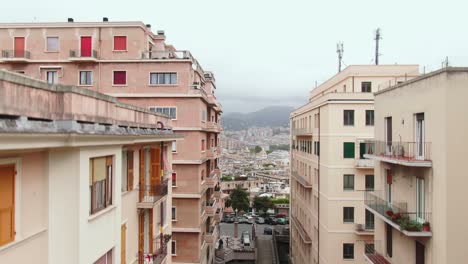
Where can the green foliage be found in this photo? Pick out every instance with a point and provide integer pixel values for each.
(227, 178)
(280, 201)
(258, 149)
(227, 203)
(409, 225)
(268, 164)
(262, 204)
(239, 199)
(279, 147)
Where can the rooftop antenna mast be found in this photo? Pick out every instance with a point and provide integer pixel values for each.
(378, 37)
(339, 50)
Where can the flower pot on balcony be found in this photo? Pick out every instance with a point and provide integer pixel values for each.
(426, 227)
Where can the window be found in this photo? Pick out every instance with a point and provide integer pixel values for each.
(174, 179)
(348, 214)
(348, 251)
(369, 182)
(202, 145)
(170, 111)
(163, 78)
(203, 116)
(100, 183)
(174, 213)
(52, 44)
(202, 175)
(106, 259)
(120, 78)
(86, 78)
(369, 117)
(173, 248)
(127, 171)
(366, 87)
(348, 182)
(388, 231)
(348, 117)
(7, 203)
(348, 150)
(52, 77)
(369, 220)
(317, 148)
(120, 43)
(174, 146)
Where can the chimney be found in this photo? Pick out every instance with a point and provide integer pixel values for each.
(70, 19)
(105, 19)
(161, 32)
(148, 25)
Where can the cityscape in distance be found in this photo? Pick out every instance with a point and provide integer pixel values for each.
(247, 132)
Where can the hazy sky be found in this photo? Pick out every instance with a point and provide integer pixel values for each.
(272, 52)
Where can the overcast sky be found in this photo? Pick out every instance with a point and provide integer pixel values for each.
(272, 52)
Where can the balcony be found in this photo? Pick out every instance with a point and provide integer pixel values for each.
(411, 224)
(83, 55)
(217, 192)
(210, 208)
(301, 132)
(212, 127)
(302, 181)
(212, 180)
(151, 194)
(364, 230)
(218, 215)
(158, 252)
(15, 55)
(210, 153)
(166, 55)
(415, 154)
(212, 235)
(364, 164)
(372, 255)
(305, 237)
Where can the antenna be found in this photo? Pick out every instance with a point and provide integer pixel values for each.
(339, 50)
(377, 39)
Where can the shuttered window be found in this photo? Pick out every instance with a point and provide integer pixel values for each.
(7, 204)
(348, 150)
(52, 44)
(100, 183)
(120, 78)
(120, 43)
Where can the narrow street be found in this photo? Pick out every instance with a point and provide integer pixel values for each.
(265, 249)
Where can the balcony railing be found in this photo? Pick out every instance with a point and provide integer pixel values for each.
(83, 54)
(218, 215)
(212, 180)
(367, 229)
(211, 235)
(303, 181)
(210, 207)
(409, 223)
(400, 152)
(372, 252)
(166, 55)
(157, 255)
(301, 132)
(16, 54)
(150, 194)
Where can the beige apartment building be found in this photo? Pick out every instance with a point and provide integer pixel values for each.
(83, 178)
(128, 61)
(329, 174)
(420, 182)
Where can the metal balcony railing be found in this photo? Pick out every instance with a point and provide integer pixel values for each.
(407, 221)
(407, 151)
(16, 54)
(153, 193)
(83, 54)
(166, 55)
(301, 131)
(373, 252)
(158, 252)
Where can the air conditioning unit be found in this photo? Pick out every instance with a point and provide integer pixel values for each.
(196, 86)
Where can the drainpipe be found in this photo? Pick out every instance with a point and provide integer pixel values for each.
(318, 181)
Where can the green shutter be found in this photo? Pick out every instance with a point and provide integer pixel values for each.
(362, 150)
(348, 150)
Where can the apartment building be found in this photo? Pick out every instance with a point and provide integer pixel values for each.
(418, 151)
(83, 177)
(328, 170)
(128, 61)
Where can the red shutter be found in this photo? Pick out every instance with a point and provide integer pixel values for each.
(389, 177)
(86, 46)
(120, 42)
(120, 77)
(19, 46)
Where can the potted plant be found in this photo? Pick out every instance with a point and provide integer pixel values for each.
(389, 213)
(426, 227)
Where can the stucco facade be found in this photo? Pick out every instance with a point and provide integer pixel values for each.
(127, 60)
(328, 171)
(55, 146)
(419, 173)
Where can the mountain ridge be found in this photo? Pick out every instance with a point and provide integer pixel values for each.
(270, 116)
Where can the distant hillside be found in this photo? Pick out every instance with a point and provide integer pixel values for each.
(267, 117)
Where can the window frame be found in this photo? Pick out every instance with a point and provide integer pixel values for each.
(345, 254)
(47, 46)
(364, 87)
(113, 43)
(346, 121)
(164, 84)
(345, 176)
(174, 146)
(373, 182)
(109, 186)
(79, 77)
(113, 78)
(344, 150)
(172, 179)
(368, 121)
(345, 213)
(156, 107)
(174, 247)
(174, 214)
(47, 76)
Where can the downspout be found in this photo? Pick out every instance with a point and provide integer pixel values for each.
(318, 182)
(99, 60)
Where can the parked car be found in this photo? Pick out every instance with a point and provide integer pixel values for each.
(244, 220)
(268, 231)
(245, 238)
(260, 220)
(271, 221)
(281, 221)
(230, 220)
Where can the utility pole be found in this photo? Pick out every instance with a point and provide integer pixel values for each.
(339, 50)
(377, 39)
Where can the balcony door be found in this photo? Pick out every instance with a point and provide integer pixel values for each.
(420, 197)
(19, 47)
(388, 187)
(388, 135)
(86, 46)
(7, 204)
(419, 136)
(419, 253)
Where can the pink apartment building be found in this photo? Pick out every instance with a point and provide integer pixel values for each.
(128, 61)
(83, 178)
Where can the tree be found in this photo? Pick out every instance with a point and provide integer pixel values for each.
(227, 203)
(239, 199)
(258, 149)
(262, 203)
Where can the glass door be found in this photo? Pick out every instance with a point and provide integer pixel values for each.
(419, 148)
(420, 210)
